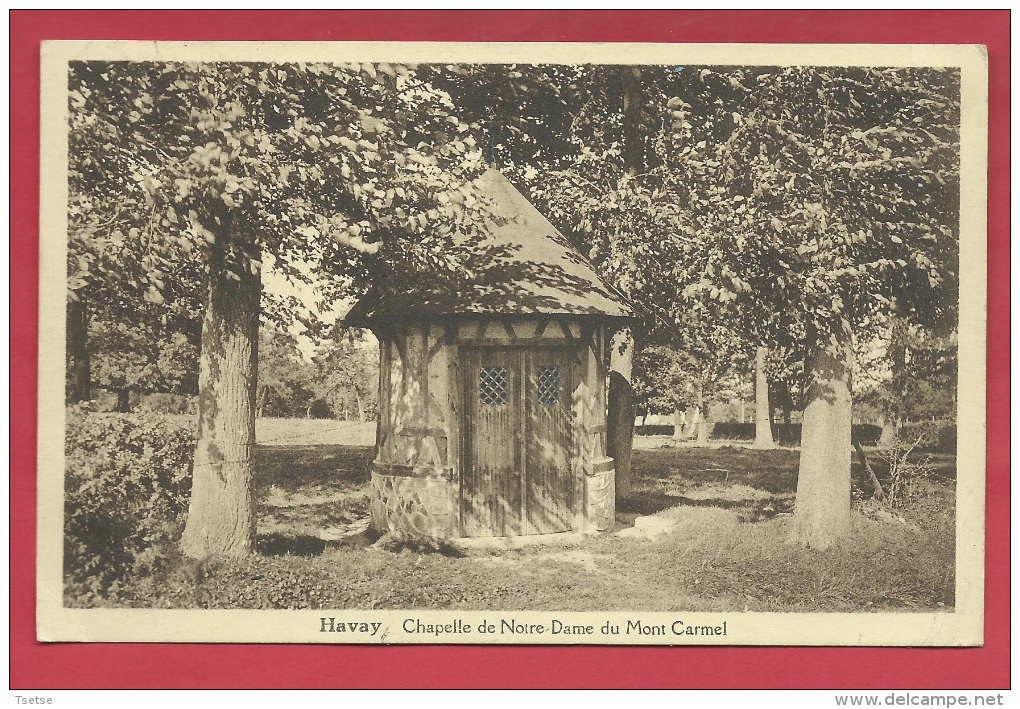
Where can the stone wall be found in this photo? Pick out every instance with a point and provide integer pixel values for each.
(600, 495)
(416, 507)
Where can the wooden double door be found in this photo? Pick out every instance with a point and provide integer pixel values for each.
(516, 475)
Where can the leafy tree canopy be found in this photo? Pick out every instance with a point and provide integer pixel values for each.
(787, 197)
(833, 197)
(358, 169)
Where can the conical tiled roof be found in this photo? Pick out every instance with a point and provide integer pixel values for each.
(518, 265)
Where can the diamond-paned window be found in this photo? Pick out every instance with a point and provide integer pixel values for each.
(549, 379)
(493, 385)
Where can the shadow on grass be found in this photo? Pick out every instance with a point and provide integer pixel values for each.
(773, 471)
(645, 502)
(282, 545)
(294, 468)
(419, 545)
(722, 503)
(670, 477)
(942, 467)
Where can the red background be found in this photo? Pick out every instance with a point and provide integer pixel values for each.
(37, 665)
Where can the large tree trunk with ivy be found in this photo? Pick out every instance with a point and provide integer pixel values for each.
(822, 515)
(79, 368)
(762, 407)
(620, 418)
(221, 515)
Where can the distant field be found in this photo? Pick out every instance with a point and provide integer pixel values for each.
(274, 432)
(313, 432)
(307, 432)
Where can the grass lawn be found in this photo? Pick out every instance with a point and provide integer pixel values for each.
(705, 529)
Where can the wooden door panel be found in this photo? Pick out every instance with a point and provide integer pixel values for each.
(548, 482)
(490, 483)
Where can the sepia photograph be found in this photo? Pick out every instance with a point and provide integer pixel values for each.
(569, 344)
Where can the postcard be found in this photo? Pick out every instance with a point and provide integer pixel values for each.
(512, 343)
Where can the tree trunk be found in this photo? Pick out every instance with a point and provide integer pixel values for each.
(79, 368)
(221, 515)
(123, 401)
(899, 335)
(620, 418)
(678, 424)
(260, 409)
(862, 455)
(704, 427)
(634, 136)
(890, 432)
(704, 430)
(822, 515)
(762, 425)
(692, 421)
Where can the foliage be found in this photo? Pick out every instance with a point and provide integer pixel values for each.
(784, 371)
(140, 357)
(668, 378)
(776, 200)
(909, 373)
(909, 467)
(347, 377)
(352, 168)
(775, 193)
(937, 436)
(168, 404)
(138, 295)
(736, 168)
(125, 495)
(285, 379)
(341, 381)
(834, 192)
(660, 384)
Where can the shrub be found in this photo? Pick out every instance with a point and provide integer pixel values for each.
(867, 433)
(127, 481)
(169, 403)
(909, 469)
(653, 430)
(733, 431)
(936, 436)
